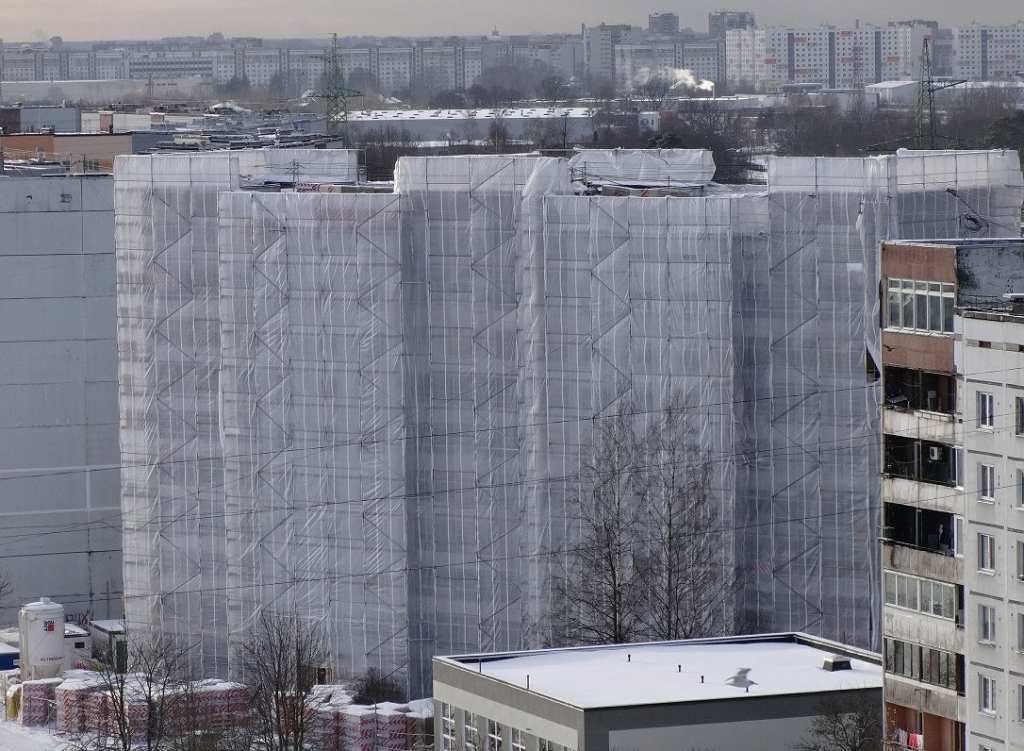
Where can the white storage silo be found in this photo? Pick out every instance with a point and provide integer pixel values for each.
(42, 639)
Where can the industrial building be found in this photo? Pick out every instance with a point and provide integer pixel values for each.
(736, 692)
(371, 407)
(953, 348)
(60, 516)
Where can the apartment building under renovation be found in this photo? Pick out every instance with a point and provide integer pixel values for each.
(370, 408)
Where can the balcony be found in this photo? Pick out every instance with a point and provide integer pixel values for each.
(916, 493)
(909, 560)
(934, 427)
(919, 528)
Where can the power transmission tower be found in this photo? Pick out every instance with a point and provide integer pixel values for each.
(335, 95)
(926, 89)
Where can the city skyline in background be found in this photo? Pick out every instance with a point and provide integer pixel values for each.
(21, 20)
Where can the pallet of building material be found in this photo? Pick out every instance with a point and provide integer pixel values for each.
(359, 728)
(72, 699)
(221, 705)
(38, 699)
(325, 728)
(98, 719)
(391, 729)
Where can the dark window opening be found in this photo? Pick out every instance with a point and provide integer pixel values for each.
(919, 390)
(919, 528)
(925, 461)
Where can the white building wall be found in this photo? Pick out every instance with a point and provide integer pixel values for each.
(990, 355)
(60, 517)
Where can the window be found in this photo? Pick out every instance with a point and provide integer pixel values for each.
(958, 536)
(471, 732)
(518, 744)
(957, 467)
(447, 727)
(920, 306)
(1020, 489)
(923, 595)
(986, 410)
(986, 482)
(986, 694)
(1020, 560)
(493, 736)
(1020, 632)
(986, 552)
(986, 624)
(1018, 415)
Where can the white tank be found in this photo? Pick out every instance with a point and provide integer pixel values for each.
(42, 639)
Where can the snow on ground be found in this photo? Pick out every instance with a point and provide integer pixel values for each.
(14, 737)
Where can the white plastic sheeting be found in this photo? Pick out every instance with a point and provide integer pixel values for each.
(369, 407)
(651, 166)
(173, 501)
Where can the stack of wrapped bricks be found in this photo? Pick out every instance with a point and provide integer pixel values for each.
(37, 701)
(359, 729)
(392, 734)
(221, 704)
(76, 704)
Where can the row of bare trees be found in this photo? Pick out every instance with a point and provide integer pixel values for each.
(648, 563)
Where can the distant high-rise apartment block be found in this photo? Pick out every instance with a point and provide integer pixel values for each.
(722, 21)
(988, 53)
(765, 59)
(663, 23)
(599, 43)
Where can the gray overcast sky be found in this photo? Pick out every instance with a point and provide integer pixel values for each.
(32, 20)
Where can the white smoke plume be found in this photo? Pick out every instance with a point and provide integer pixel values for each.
(681, 77)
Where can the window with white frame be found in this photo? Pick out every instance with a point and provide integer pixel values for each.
(1020, 560)
(986, 624)
(516, 740)
(986, 414)
(471, 732)
(956, 467)
(987, 482)
(919, 306)
(986, 552)
(1020, 632)
(921, 595)
(1018, 415)
(447, 727)
(959, 540)
(986, 694)
(493, 736)
(1020, 488)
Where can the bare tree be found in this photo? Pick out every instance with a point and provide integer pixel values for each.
(602, 591)
(280, 666)
(686, 588)
(649, 560)
(6, 587)
(652, 92)
(551, 88)
(852, 724)
(142, 694)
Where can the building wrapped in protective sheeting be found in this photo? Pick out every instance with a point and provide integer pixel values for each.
(370, 409)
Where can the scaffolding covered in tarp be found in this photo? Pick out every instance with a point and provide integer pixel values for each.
(370, 409)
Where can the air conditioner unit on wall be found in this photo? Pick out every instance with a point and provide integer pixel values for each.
(934, 453)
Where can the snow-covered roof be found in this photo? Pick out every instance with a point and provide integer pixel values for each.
(515, 113)
(682, 671)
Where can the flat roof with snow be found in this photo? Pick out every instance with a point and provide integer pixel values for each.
(681, 671)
